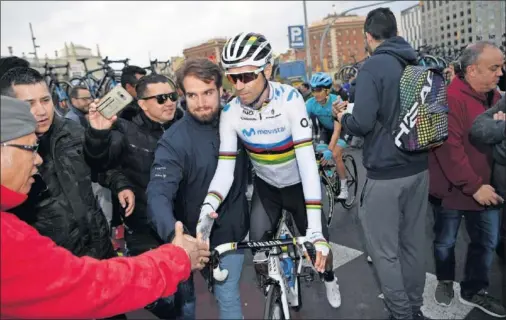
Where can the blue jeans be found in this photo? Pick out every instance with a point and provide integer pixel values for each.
(483, 229)
(227, 292)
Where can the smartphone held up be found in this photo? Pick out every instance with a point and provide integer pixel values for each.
(113, 102)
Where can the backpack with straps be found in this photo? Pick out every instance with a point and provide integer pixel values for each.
(422, 123)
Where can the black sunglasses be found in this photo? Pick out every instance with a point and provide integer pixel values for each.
(317, 89)
(162, 98)
(244, 77)
(32, 148)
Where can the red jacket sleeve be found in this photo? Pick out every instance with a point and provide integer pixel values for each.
(452, 156)
(42, 280)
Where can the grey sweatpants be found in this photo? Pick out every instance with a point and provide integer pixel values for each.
(392, 213)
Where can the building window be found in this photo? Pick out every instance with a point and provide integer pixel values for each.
(469, 20)
(454, 15)
(462, 22)
(470, 30)
(449, 43)
(428, 5)
(447, 18)
(491, 36)
(448, 35)
(470, 39)
(448, 26)
(461, 13)
(442, 28)
(455, 33)
(442, 37)
(468, 11)
(455, 24)
(463, 40)
(456, 42)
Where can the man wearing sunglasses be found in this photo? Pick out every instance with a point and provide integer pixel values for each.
(272, 122)
(320, 106)
(129, 146)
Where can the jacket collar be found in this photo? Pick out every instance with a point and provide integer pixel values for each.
(10, 199)
(465, 88)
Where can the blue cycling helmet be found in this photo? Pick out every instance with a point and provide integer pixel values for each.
(322, 80)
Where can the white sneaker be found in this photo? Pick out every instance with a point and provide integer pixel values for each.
(343, 195)
(369, 259)
(333, 294)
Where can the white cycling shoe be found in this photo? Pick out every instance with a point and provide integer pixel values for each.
(343, 195)
(333, 293)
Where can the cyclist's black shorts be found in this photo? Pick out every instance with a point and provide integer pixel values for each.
(266, 209)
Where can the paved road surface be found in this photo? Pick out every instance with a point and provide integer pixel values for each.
(360, 295)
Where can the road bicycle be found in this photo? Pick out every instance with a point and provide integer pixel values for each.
(153, 65)
(332, 182)
(99, 87)
(286, 267)
(59, 89)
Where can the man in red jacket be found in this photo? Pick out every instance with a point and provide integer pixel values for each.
(41, 280)
(460, 174)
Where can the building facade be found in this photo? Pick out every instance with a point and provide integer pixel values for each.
(344, 43)
(210, 50)
(455, 24)
(69, 54)
(411, 25)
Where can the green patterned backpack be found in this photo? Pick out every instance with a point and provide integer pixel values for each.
(422, 123)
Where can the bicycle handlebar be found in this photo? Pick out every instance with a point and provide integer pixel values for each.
(221, 274)
(107, 61)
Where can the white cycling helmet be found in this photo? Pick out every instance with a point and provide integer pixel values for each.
(246, 49)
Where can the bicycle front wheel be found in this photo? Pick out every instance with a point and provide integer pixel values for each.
(273, 305)
(352, 181)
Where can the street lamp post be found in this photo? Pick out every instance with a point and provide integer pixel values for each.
(342, 14)
(308, 50)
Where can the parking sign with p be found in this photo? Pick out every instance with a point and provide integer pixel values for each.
(296, 37)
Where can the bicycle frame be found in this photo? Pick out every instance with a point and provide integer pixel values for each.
(276, 277)
(289, 295)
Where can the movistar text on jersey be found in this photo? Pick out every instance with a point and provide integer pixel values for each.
(252, 131)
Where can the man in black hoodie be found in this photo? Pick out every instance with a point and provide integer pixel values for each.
(393, 204)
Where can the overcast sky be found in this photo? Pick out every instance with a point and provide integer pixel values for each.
(134, 29)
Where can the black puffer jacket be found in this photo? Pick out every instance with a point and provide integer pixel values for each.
(486, 130)
(61, 204)
(130, 147)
